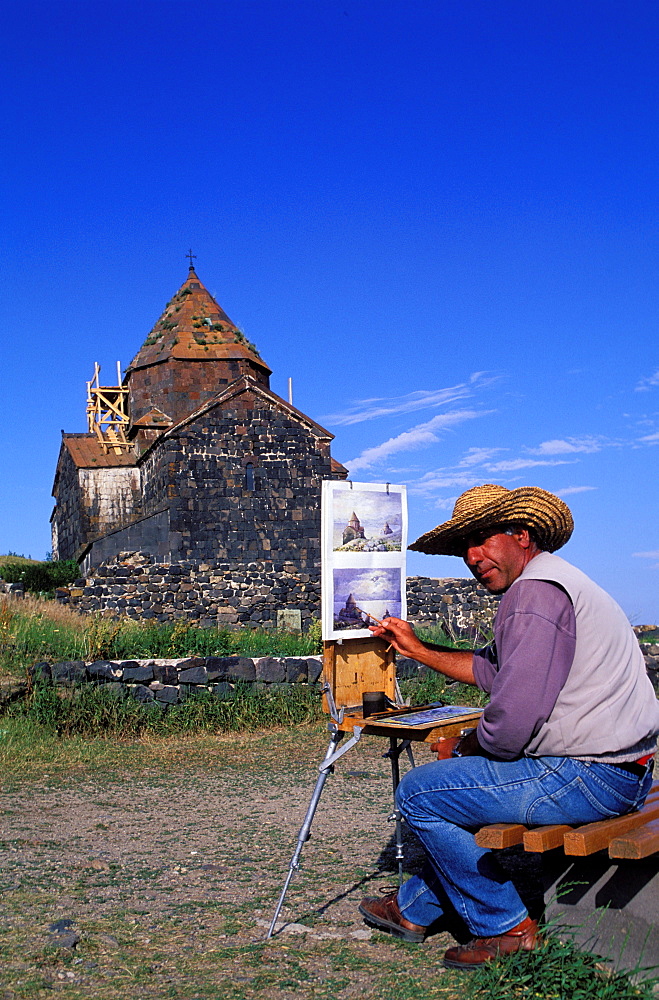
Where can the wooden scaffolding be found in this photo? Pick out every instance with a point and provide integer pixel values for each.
(106, 412)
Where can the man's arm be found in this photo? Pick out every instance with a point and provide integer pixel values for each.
(454, 663)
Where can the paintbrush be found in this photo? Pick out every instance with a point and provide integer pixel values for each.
(374, 619)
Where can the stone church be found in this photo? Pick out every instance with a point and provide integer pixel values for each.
(193, 467)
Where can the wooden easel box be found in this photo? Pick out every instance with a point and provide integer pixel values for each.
(355, 666)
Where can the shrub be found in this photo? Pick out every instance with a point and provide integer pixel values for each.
(40, 577)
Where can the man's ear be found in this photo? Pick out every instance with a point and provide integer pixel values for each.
(523, 537)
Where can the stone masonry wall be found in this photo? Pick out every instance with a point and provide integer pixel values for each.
(223, 593)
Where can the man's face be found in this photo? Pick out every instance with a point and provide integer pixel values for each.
(496, 559)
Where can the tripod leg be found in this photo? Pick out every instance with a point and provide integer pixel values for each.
(303, 835)
(394, 753)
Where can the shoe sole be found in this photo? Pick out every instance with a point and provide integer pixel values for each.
(414, 937)
(463, 966)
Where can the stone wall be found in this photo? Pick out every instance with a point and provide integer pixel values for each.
(171, 681)
(222, 593)
(208, 594)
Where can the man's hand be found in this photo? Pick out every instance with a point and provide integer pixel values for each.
(444, 747)
(401, 636)
(469, 746)
(455, 663)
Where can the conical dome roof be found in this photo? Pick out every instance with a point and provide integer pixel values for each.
(194, 327)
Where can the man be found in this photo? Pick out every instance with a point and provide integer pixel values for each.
(567, 737)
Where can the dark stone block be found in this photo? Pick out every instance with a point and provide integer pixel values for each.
(69, 672)
(138, 674)
(314, 668)
(141, 693)
(191, 661)
(270, 669)
(239, 668)
(165, 674)
(168, 695)
(297, 670)
(193, 675)
(104, 670)
(40, 671)
(215, 668)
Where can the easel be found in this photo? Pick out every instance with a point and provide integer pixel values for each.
(350, 668)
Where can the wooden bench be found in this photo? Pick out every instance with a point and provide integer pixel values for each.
(632, 837)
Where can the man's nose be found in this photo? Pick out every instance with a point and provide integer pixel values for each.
(472, 555)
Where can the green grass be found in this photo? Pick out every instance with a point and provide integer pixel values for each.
(557, 971)
(90, 711)
(36, 629)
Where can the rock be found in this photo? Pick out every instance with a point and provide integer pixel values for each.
(314, 668)
(104, 669)
(165, 673)
(214, 668)
(137, 673)
(168, 694)
(141, 693)
(63, 935)
(61, 925)
(10, 688)
(270, 669)
(239, 668)
(193, 675)
(297, 670)
(69, 672)
(40, 671)
(406, 667)
(223, 690)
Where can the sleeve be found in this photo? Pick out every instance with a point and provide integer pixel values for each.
(485, 667)
(535, 638)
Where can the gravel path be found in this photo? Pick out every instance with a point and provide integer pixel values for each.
(161, 881)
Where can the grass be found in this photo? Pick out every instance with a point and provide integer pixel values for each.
(557, 971)
(34, 628)
(91, 711)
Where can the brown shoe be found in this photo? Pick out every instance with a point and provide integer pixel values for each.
(384, 914)
(478, 951)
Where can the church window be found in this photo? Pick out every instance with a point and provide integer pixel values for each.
(249, 476)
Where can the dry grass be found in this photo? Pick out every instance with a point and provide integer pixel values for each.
(32, 606)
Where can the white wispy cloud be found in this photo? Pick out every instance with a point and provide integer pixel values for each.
(421, 399)
(443, 479)
(417, 437)
(568, 446)
(649, 382)
(648, 555)
(514, 464)
(477, 456)
(651, 438)
(574, 489)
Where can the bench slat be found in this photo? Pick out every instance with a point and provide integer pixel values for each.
(545, 838)
(636, 844)
(594, 837)
(499, 835)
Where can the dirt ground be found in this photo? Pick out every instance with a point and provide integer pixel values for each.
(160, 879)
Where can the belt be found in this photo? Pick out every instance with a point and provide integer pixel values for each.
(638, 767)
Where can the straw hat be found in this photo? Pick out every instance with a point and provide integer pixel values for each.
(488, 506)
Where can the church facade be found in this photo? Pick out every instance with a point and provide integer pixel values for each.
(212, 468)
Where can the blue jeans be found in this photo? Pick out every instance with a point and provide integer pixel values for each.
(446, 801)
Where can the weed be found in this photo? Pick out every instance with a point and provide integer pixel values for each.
(554, 972)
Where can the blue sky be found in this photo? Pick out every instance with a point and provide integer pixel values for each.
(439, 218)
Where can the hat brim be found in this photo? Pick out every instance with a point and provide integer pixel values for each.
(543, 513)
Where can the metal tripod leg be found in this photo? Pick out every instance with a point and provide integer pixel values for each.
(393, 753)
(325, 770)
